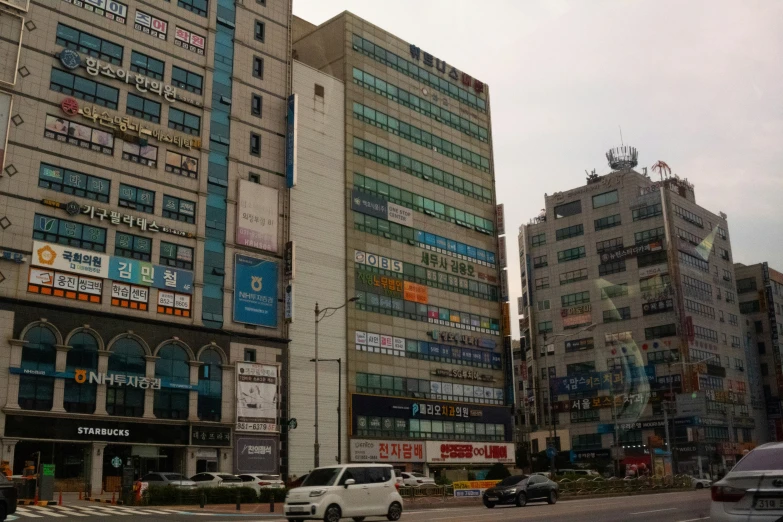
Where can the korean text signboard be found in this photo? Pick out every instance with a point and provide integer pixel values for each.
(110, 9)
(291, 140)
(257, 208)
(378, 207)
(625, 253)
(386, 451)
(257, 397)
(470, 452)
(150, 25)
(255, 291)
(256, 455)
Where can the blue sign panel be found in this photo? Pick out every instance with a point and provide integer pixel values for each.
(290, 141)
(141, 273)
(369, 204)
(255, 291)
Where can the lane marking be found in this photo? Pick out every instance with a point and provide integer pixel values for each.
(653, 511)
(694, 519)
(69, 511)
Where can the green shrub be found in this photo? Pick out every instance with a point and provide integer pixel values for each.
(172, 496)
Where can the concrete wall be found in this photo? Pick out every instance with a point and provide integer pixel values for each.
(318, 230)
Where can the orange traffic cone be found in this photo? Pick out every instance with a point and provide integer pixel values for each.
(112, 498)
(60, 500)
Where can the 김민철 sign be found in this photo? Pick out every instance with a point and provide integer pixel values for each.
(470, 452)
(120, 126)
(255, 291)
(386, 451)
(110, 267)
(256, 397)
(257, 209)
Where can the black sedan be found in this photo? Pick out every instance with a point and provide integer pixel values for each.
(7, 497)
(521, 489)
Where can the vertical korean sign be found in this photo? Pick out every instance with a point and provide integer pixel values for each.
(291, 140)
(255, 291)
(257, 397)
(257, 222)
(6, 102)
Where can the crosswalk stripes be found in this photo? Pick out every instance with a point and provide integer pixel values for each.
(91, 510)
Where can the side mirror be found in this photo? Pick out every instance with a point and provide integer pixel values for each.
(349, 482)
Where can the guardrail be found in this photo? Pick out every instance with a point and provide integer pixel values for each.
(434, 491)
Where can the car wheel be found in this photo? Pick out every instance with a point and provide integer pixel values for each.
(490, 505)
(333, 514)
(395, 511)
(3, 512)
(552, 497)
(699, 485)
(521, 500)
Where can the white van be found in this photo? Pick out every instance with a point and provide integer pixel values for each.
(346, 491)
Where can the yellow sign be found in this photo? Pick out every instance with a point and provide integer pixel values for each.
(475, 484)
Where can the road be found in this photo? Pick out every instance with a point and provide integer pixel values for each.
(688, 506)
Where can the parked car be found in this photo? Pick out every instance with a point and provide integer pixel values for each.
(542, 473)
(398, 478)
(584, 472)
(417, 480)
(216, 480)
(351, 491)
(700, 483)
(168, 479)
(259, 482)
(521, 489)
(753, 489)
(298, 482)
(7, 498)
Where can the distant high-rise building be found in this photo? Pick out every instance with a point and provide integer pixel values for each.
(628, 300)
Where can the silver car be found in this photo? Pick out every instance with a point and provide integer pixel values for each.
(168, 479)
(753, 490)
(216, 480)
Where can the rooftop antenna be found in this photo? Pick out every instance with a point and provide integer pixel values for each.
(621, 135)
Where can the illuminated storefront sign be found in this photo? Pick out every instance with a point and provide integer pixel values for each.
(110, 9)
(415, 292)
(120, 125)
(469, 452)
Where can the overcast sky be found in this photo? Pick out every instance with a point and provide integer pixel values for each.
(697, 84)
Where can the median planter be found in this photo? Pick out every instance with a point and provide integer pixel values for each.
(173, 496)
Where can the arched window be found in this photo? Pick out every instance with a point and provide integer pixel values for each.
(36, 392)
(83, 355)
(210, 386)
(172, 369)
(127, 359)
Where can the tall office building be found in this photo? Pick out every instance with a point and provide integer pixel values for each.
(142, 220)
(629, 299)
(760, 290)
(403, 217)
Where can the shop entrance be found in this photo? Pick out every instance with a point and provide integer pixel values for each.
(206, 460)
(71, 461)
(143, 460)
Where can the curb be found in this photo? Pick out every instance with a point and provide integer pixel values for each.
(104, 501)
(25, 502)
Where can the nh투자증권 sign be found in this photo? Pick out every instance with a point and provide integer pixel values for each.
(255, 291)
(257, 397)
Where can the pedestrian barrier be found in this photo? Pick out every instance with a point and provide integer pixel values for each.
(598, 485)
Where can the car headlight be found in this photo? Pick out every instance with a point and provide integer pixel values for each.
(317, 492)
(511, 491)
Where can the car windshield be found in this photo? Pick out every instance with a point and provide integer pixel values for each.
(512, 480)
(322, 477)
(174, 476)
(418, 475)
(761, 460)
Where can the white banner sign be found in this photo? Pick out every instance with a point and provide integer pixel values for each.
(257, 397)
(257, 209)
(653, 271)
(399, 214)
(470, 452)
(386, 451)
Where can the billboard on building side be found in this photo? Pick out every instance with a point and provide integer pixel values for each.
(257, 211)
(257, 397)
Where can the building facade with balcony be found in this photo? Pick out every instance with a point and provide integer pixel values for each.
(629, 298)
(142, 225)
(422, 346)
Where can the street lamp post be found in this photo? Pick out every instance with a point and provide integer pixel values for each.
(320, 315)
(552, 428)
(339, 362)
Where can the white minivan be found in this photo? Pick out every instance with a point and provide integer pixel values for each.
(346, 491)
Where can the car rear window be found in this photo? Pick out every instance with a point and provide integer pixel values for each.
(175, 477)
(761, 460)
(229, 478)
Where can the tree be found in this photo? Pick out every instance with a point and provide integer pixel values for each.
(498, 472)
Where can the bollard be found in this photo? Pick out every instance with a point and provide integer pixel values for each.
(113, 501)
(202, 500)
(80, 495)
(238, 507)
(272, 503)
(60, 499)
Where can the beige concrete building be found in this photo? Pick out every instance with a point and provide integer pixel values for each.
(628, 299)
(760, 294)
(421, 347)
(137, 276)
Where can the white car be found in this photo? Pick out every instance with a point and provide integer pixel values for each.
(753, 490)
(417, 480)
(216, 480)
(347, 491)
(259, 482)
(168, 479)
(398, 478)
(700, 483)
